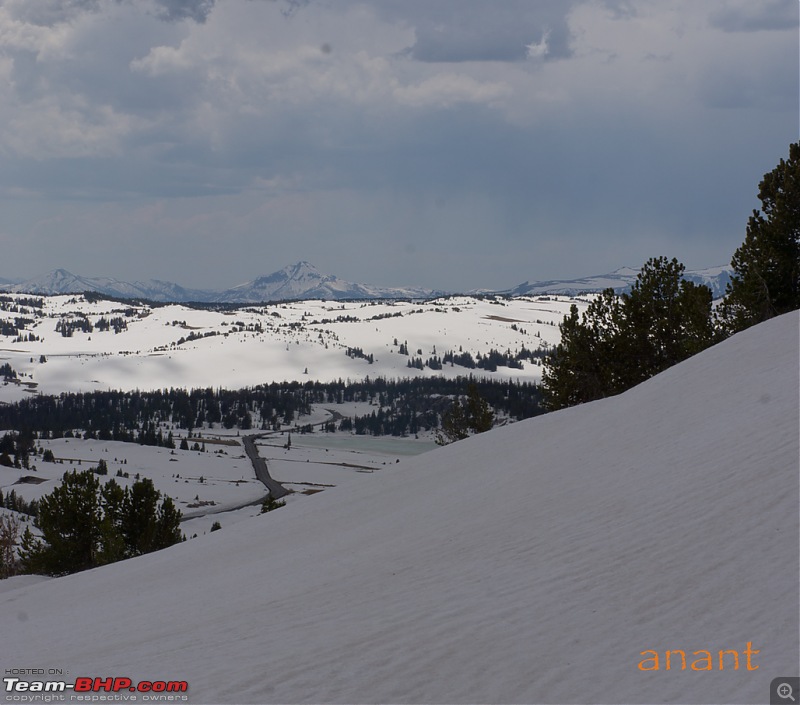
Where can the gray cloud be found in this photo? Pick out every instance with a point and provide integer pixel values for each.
(177, 123)
(176, 10)
(48, 13)
(457, 31)
(292, 6)
(757, 16)
(512, 30)
(465, 43)
(199, 10)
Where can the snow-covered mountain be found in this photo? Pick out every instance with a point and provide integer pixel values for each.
(295, 282)
(716, 278)
(60, 281)
(303, 280)
(546, 561)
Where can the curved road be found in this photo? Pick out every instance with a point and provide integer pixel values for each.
(276, 489)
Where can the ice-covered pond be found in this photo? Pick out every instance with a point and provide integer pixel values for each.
(372, 445)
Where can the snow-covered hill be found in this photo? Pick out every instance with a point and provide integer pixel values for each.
(125, 346)
(538, 563)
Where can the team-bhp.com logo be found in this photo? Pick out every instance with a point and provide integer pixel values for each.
(96, 685)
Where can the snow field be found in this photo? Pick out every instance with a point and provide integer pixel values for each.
(296, 342)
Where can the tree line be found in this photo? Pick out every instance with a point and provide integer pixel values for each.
(404, 406)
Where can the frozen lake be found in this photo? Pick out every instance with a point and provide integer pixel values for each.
(372, 445)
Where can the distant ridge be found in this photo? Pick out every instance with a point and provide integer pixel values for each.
(715, 278)
(60, 281)
(295, 282)
(302, 280)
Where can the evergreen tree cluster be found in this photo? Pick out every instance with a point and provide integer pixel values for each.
(139, 417)
(21, 304)
(620, 341)
(466, 417)
(416, 363)
(391, 421)
(15, 503)
(16, 448)
(410, 413)
(358, 353)
(67, 326)
(489, 362)
(117, 324)
(196, 336)
(85, 524)
(462, 359)
(16, 327)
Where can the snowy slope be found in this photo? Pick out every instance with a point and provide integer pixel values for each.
(531, 564)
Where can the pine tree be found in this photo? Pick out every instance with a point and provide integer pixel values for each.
(766, 279)
(112, 543)
(70, 521)
(666, 318)
(9, 532)
(138, 522)
(588, 363)
(168, 526)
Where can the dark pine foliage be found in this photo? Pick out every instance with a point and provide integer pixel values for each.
(766, 278)
(621, 341)
(85, 524)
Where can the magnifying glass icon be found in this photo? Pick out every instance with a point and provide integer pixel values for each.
(785, 691)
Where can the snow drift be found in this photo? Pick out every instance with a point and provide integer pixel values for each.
(532, 564)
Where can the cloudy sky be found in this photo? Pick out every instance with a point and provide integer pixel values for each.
(443, 143)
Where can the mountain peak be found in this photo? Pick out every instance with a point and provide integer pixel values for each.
(302, 265)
